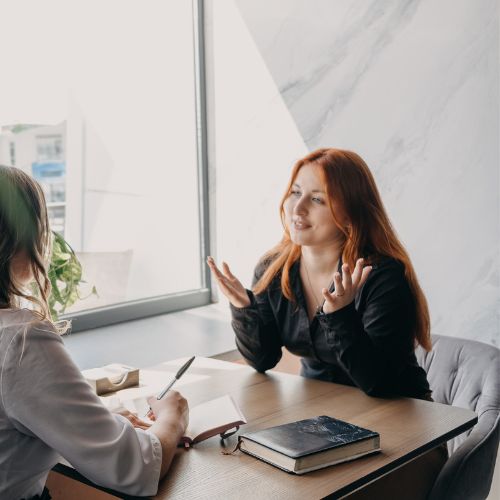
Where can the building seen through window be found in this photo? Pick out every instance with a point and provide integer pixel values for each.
(40, 150)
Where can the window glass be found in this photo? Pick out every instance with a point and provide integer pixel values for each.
(107, 125)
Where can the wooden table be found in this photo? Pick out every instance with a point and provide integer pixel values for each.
(407, 428)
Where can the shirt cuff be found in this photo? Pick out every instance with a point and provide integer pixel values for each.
(243, 310)
(340, 323)
(157, 454)
(157, 458)
(246, 317)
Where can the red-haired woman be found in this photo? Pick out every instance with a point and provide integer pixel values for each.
(339, 290)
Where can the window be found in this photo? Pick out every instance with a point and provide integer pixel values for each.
(109, 129)
(49, 170)
(49, 148)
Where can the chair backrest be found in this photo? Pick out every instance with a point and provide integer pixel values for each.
(466, 373)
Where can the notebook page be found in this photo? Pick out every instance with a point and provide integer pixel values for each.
(212, 414)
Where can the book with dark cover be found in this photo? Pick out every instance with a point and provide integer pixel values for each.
(310, 444)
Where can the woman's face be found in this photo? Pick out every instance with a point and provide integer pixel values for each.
(307, 213)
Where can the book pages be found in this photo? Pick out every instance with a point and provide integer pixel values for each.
(214, 414)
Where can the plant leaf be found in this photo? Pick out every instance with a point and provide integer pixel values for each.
(65, 275)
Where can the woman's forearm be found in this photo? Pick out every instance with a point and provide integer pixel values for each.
(169, 435)
(257, 340)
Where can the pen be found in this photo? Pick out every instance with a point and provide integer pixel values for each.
(178, 375)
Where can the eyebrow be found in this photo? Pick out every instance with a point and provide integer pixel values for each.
(313, 191)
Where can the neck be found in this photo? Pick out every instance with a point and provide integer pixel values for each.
(321, 260)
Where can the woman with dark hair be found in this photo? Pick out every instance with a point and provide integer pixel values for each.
(339, 290)
(47, 409)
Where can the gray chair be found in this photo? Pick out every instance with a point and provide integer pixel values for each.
(466, 373)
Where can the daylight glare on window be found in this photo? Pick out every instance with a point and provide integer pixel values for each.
(99, 106)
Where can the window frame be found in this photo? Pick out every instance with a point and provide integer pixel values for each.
(151, 306)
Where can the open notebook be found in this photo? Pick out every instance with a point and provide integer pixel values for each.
(220, 416)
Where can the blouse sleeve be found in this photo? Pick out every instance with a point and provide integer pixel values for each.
(373, 346)
(257, 334)
(45, 395)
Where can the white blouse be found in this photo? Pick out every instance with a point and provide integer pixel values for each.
(47, 410)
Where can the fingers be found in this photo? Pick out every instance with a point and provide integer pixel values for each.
(229, 284)
(346, 286)
(134, 419)
(330, 303)
(329, 297)
(223, 279)
(139, 423)
(228, 272)
(150, 414)
(358, 270)
(213, 267)
(224, 274)
(172, 407)
(339, 287)
(226, 287)
(346, 277)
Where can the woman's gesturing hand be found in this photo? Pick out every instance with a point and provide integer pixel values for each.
(346, 287)
(229, 284)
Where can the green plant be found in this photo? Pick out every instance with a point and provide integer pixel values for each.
(65, 274)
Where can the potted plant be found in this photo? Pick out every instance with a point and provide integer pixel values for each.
(65, 274)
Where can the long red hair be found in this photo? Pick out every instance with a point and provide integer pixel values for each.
(350, 183)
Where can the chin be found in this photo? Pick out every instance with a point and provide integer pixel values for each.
(298, 239)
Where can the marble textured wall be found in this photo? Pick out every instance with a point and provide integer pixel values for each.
(412, 86)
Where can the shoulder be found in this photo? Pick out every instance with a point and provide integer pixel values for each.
(30, 350)
(387, 274)
(261, 267)
(21, 328)
(30, 319)
(387, 266)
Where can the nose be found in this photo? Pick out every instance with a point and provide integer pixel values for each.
(300, 206)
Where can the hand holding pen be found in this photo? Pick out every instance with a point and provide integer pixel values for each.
(177, 376)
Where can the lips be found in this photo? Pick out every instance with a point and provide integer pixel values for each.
(300, 225)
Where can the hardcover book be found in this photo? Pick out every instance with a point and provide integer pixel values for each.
(310, 444)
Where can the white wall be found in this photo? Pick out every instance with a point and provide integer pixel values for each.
(411, 86)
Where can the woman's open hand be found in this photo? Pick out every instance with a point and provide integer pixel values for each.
(229, 284)
(346, 287)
